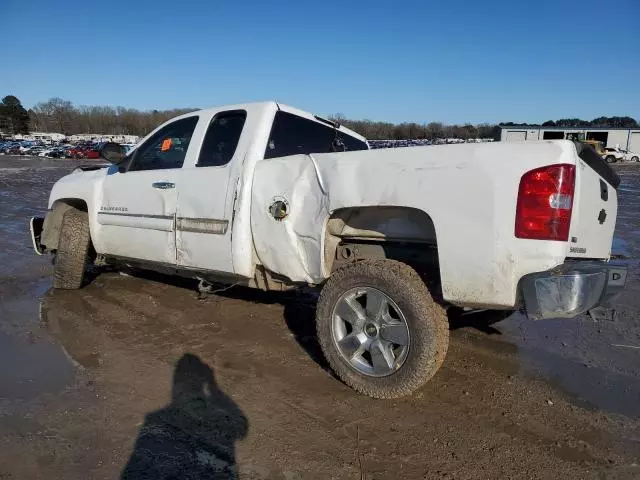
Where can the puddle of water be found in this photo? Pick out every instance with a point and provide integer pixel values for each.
(32, 363)
(32, 367)
(579, 357)
(61, 322)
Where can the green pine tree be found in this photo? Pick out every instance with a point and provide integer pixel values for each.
(13, 117)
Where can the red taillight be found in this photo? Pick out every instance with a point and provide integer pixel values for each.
(545, 200)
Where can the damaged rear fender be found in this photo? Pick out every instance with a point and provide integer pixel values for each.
(301, 244)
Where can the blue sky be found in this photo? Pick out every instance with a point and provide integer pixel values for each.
(451, 61)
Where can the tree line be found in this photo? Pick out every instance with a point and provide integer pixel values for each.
(61, 116)
(430, 131)
(600, 122)
(58, 115)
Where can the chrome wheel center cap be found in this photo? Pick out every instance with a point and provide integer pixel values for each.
(371, 330)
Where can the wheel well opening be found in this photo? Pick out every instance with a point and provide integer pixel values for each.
(53, 220)
(382, 223)
(396, 233)
(76, 203)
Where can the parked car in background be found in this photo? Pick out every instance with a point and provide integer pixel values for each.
(58, 152)
(90, 152)
(34, 150)
(630, 156)
(74, 152)
(612, 155)
(46, 152)
(12, 149)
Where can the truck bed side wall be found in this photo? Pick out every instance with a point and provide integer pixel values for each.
(468, 191)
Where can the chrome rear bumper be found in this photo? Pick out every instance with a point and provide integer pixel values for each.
(571, 289)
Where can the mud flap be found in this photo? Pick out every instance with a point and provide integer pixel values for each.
(35, 227)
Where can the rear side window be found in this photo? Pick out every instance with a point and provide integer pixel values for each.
(166, 148)
(221, 139)
(291, 135)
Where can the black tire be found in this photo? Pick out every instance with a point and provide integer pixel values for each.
(610, 159)
(73, 249)
(426, 320)
(635, 159)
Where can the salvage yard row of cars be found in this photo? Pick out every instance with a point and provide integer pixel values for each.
(89, 150)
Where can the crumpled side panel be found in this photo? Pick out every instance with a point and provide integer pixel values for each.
(292, 246)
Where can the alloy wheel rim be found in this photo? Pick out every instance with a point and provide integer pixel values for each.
(370, 331)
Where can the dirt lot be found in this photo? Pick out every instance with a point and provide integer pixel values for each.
(139, 377)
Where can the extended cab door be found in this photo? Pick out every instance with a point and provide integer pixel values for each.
(137, 209)
(207, 193)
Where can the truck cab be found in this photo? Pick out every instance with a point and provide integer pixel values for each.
(172, 199)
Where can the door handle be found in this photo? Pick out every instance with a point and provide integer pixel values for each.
(163, 185)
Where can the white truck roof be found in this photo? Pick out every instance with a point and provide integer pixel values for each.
(272, 104)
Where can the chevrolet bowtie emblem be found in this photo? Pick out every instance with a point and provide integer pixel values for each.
(602, 217)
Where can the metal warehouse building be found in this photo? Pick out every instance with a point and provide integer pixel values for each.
(625, 138)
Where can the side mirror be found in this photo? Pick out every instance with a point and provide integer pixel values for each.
(112, 152)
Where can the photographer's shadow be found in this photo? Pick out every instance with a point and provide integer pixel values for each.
(194, 436)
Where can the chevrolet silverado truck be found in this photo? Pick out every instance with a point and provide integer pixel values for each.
(267, 196)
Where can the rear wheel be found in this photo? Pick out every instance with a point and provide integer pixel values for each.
(379, 328)
(635, 159)
(73, 249)
(610, 159)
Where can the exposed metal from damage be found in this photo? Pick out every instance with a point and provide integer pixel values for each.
(202, 225)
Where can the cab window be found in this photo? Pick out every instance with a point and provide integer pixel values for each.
(167, 148)
(291, 135)
(222, 138)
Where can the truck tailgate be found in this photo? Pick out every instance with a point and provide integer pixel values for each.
(595, 206)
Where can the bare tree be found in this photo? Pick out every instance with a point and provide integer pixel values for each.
(58, 115)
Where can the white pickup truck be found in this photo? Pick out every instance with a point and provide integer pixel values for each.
(267, 196)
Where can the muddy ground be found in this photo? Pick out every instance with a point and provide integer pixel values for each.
(95, 383)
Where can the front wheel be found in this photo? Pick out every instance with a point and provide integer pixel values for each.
(72, 252)
(610, 159)
(379, 328)
(635, 159)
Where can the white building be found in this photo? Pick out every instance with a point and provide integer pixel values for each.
(625, 138)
